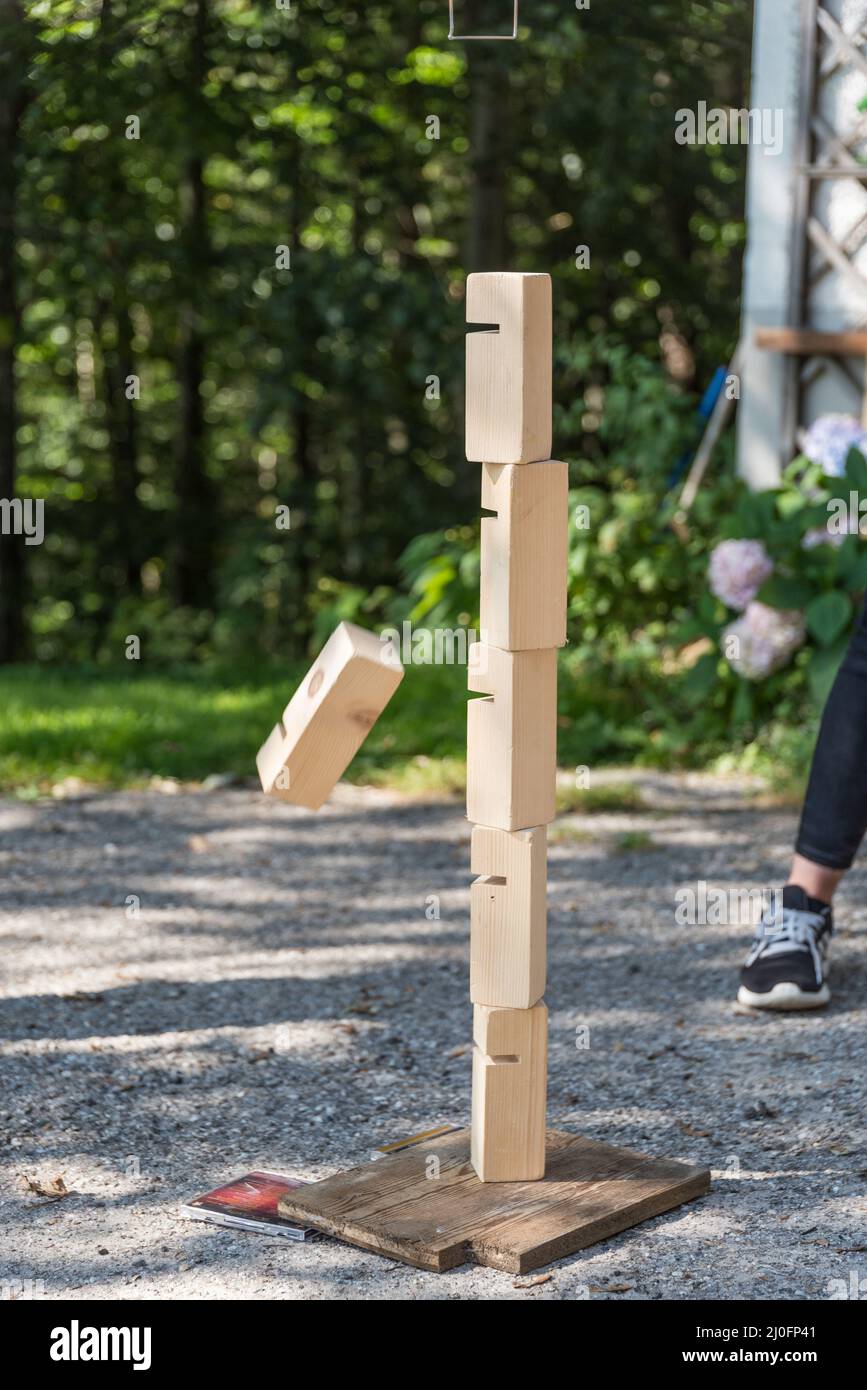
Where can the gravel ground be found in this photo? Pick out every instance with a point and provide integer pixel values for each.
(287, 998)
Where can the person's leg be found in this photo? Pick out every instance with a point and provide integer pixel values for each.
(816, 881)
(785, 968)
(834, 816)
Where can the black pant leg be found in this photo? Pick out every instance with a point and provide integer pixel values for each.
(834, 816)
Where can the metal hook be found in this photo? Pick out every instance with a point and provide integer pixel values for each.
(462, 38)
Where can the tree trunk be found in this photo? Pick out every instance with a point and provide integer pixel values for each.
(129, 538)
(14, 44)
(306, 469)
(115, 337)
(194, 493)
(487, 239)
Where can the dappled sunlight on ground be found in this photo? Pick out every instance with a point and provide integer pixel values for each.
(291, 991)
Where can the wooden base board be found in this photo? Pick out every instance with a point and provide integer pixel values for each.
(437, 1215)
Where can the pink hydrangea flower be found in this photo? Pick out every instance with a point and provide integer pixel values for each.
(762, 640)
(738, 569)
(820, 535)
(829, 439)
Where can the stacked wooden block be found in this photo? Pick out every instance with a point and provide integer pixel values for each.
(512, 734)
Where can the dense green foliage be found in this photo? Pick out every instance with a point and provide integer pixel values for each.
(156, 258)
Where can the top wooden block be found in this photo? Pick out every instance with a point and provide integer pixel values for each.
(329, 717)
(508, 403)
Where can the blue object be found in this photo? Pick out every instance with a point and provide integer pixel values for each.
(712, 394)
(704, 412)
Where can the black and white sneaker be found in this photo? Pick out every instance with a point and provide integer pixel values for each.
(785, 968)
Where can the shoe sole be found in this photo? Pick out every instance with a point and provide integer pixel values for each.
(785, 996)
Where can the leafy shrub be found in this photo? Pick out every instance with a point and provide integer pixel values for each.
(645, 674)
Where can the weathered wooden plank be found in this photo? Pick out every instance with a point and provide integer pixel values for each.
(426, 1207)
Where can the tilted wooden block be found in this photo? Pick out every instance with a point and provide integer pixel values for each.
(511, 737)
(510, 1062)
(508, 916)
(508, 385)
(524, 555)
(329, 717)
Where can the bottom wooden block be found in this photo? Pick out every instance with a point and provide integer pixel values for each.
(425, 1205)
(510, 1070)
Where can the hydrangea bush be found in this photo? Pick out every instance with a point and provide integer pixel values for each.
(763, 640)
(684, 645)
(738, 569)
(786, 576)
(829, 439)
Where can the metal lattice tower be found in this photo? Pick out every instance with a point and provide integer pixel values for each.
(806, 264)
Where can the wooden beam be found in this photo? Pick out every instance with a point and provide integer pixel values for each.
(803, 342)
(524, 555)
(510, 1064)
(511, 737)
(508, 380)
(508, 916)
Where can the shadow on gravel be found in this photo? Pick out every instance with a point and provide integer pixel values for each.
(299, 1007)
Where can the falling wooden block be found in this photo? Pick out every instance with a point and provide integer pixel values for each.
(508, 382)
(329, 717)
(508, 916)
(524, 555)
(511, 737)
(510, 1063)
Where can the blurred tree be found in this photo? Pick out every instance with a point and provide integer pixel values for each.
(17, 42)
(180, 385)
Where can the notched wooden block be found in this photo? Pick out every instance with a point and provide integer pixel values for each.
(511, 737)
(508, 388)
(510, 1063)
(524, 555)
(508, 907)
(329, 717)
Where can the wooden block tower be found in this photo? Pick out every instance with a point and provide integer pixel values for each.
(421, 1203)
(512, 733)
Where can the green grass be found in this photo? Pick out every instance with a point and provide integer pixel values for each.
(122, 727)
(635, 840)
(606, 796)
(781, 755)
(559, 834)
